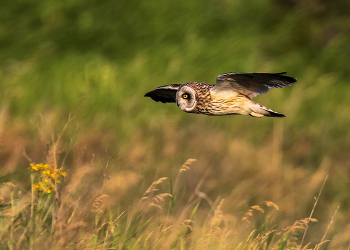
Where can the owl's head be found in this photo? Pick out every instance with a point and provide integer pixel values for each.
(186, 98)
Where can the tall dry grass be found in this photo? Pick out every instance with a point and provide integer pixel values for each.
(92, 209)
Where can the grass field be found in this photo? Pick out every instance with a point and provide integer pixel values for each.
(73, 76)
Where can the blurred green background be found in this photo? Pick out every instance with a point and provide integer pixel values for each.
(94, 60)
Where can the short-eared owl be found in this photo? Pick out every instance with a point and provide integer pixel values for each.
(232, 94)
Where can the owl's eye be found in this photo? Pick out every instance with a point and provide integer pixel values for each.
(185, 96)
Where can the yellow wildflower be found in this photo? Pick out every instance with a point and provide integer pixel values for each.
(38, 186)
(34, 168)
(48, 175)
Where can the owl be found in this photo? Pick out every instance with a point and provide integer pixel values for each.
(231, 95)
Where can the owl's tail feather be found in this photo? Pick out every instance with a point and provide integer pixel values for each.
(259, 111)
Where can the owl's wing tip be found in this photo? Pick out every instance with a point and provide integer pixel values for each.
(162, 95)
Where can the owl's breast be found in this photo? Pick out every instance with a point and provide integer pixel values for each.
(203, 103)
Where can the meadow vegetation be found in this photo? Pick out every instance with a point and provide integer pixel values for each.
(122, 173)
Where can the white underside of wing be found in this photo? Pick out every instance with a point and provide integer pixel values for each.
(224, 93)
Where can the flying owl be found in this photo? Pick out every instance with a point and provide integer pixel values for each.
(231, 95)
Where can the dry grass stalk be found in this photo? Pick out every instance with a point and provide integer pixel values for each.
(204, 196)
(261, 239)
(149, 236)
(328, 227)
(150, 201)
(185, 166)
(297, 225)
(176, 227)
(98, 204)
(153, 188)
(217, 233)
(270, 204)
(159, 198)
(312, 211)
(258, 207)
(218, 213)
(251, 235)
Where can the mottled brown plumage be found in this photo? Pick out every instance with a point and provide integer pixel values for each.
(203, 97)
(232, 94)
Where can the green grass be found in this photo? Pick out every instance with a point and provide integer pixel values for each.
(93, 62)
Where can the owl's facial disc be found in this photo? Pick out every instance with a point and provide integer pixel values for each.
(186, 98)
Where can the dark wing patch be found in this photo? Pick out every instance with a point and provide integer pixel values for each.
(251, 84)
(164, 94)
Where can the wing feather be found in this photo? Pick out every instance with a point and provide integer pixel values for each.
(251, 84)
(164, 94)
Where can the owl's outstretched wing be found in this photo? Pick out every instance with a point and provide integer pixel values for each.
(251, 84)
(164, 94)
